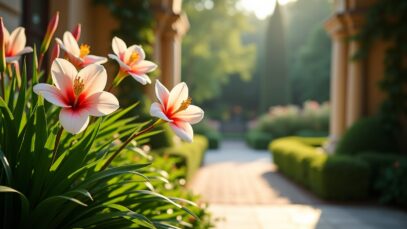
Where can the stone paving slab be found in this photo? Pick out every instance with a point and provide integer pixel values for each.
(244, 190)
(306, 217)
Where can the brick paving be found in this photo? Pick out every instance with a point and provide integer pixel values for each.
(244, 190)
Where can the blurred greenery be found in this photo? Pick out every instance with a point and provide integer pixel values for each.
(386, 21)
(273, 78)
(213, 52)
(308, 50)
(226, 75)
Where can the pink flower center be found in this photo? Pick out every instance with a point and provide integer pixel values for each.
(184, 105)
(75, 97)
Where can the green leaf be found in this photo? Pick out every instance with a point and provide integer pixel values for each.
(6, 167)
(25, 205)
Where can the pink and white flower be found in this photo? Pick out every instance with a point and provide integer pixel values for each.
(80, 94)
(175, 108)
(132, 61)
(78, 55)
(14, 44)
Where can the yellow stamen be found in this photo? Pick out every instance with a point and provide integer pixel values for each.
(84, 50)
(135, 57)
(78, 86)
(184, 105)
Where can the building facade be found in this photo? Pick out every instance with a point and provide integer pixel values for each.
(355, 91)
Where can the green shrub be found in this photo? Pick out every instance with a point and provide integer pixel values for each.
(331, 177)
(367, 134)
(214, 139)
(191, 154)
(213, 136)
(258, 140)
(392, 184)
(378, 162)
(339, 177)
(163, 139)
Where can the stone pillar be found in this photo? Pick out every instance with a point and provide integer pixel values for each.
(337, 30)
(354, 101)
(170, 71)
(171, 49)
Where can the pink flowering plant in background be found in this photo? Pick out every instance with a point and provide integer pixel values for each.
(61, 133)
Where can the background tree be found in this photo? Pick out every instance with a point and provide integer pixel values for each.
(308, 49)
(274, 81)
(213, 49)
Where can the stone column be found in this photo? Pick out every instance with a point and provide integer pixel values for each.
(355, 92)
(170, 57)
(170, 71)
(337, 30)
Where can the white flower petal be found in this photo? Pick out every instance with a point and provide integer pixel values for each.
(63, 73)
(143, 78)
(6, 35)
(121, 63)
(144, 66)
(16, 41)
(12, 59)
(156, 111)
(74, 121)
(134, 48)
(177, 95)
(161, 92)
(94, 78)
(92, 59)
(193, 114)
(183, 130)
(61, 44)
(51, 94)
(70, 43)
(101, 103)
(24, 51)
(118, 46)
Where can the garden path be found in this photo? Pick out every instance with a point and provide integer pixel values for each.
(245, 191)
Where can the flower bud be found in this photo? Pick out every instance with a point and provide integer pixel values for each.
(76, 32)
(55, 52)
(2, 47)
(52, 26)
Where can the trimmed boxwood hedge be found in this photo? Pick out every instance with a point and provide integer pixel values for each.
(329, 176)
(191, 154)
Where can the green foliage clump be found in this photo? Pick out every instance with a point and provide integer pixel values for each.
(212, 135)
(258, 140)
(392, 184)
(385, 21)
(163, 139)
(378, 163)
(191, 154)
(213, 49)
(367, 134)
(331, 177)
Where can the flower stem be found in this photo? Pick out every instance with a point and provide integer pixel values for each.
(2, 85)
(54, 153)
(40, 62)
(107, 163)
(117, 79)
